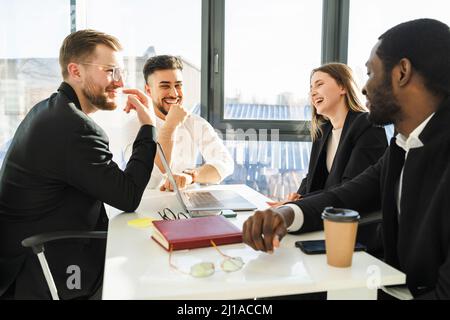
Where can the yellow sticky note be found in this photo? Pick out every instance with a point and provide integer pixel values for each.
(141, 223)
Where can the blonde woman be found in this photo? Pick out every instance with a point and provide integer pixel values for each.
(345, 143)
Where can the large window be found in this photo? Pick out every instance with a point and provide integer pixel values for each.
(147, 28)
(268, 51)
(247, 64)
(270, 48)
(263, 53)
(31, 33)
(153, 27)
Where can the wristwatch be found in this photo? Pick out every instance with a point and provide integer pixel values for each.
(193, 173)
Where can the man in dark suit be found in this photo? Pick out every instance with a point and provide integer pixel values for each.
(409, 86)
(58, 172)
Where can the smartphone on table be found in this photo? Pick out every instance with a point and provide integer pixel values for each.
(318, 246)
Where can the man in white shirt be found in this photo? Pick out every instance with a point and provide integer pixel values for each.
(182, 135)
(409, 86)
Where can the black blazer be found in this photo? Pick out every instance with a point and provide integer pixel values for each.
(56, 176)
(361, 145)
(418, 241)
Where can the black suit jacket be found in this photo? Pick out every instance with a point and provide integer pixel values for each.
(418, 241)
(361, 145)
(56, 176)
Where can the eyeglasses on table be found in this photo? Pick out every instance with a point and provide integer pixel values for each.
(168, 214)
(206, 269)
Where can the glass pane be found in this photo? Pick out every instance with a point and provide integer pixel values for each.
(384, 14)
(153, 27)
(270, 49)
(147, 28)
(273, 168)
(31, 33)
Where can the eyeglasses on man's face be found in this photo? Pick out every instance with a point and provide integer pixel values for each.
(206, 269)
(117, 73)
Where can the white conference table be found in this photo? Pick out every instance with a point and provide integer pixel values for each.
(136, 267)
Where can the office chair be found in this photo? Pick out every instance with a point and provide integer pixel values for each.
(370, 233)
(371, 218)
(36, 243)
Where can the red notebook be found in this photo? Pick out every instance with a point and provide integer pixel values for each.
(195, 232)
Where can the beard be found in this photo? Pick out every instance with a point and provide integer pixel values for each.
(161, 109)
(160, 106)
(384, 107)
(98, 97)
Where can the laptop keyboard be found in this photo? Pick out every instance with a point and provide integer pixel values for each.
(202, 199)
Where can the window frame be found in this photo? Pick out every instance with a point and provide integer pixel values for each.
(335, 22)
(335, 16)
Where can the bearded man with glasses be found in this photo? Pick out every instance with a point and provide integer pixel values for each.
(58, 171)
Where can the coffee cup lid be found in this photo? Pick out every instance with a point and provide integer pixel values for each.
(340, 215)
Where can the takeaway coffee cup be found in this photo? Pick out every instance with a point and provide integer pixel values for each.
(340, 227)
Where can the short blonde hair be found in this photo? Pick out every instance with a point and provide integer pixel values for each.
(81, 44)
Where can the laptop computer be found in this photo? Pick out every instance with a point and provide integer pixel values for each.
(197, 203)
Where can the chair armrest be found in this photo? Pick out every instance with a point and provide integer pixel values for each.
(37, 242)
(370, 218)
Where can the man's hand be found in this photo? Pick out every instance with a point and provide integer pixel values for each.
(182, 180)
(291, 197)
(138, 101)
(176, 116)
(264, 230)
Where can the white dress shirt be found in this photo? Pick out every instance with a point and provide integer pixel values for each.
(333, 143)
(195, 136)
(412, 142)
